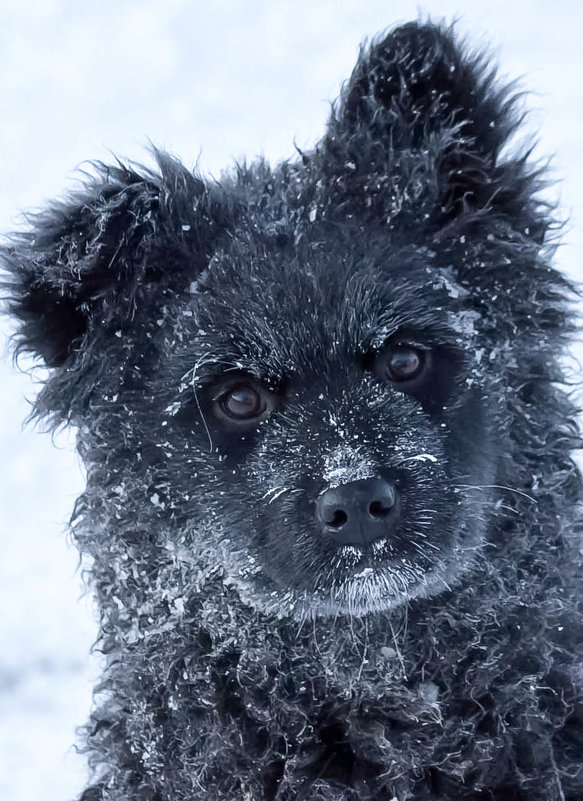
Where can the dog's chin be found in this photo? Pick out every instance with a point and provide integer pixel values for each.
(371, 590)
(378, 587)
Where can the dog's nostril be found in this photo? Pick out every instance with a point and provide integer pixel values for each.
(379, 509)
(339, 518)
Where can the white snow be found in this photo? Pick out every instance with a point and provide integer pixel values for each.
(365, 573)
(422, 457)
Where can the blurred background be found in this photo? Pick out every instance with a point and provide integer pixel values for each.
(209, 80)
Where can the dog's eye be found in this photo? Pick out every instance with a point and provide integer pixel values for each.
(404, 362)
(243, 402)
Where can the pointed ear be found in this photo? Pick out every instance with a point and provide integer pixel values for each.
(93, 259)
(424, 120)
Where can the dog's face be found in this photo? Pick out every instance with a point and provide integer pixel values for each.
(345, 438)
(307, 374)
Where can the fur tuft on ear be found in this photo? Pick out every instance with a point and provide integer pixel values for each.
(418, 79)
(129, 232)
(98, 266)
(420, 108)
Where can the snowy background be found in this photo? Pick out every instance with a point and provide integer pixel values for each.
(207, 80)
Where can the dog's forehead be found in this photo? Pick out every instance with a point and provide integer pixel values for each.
(273, 312)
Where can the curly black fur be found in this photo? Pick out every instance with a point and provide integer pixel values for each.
(225, 352)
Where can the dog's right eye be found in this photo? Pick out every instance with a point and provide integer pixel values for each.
(404, 362)
(245, 402)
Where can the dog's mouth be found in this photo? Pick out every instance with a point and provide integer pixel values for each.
(354, 582)
(378, 576)
(354, 562)
(357, 557)
(307, 571)
(370, 589)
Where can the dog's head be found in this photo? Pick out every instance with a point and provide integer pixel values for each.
(309, 374)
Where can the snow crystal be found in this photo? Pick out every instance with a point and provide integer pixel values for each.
(445, 279)
(429, 692)
(367, 572)
(464, 322)
(179, 605)
(344, 464)
(275, 492)
(422, 457)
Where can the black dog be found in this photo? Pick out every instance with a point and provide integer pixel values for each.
(330, 504)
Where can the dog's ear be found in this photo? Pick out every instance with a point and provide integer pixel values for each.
(420, 126)
(92, 267)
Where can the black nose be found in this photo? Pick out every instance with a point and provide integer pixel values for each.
(359, 512)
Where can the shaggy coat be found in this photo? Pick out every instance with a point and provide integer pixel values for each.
(240, 360)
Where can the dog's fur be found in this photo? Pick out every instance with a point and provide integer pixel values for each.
(249, 656)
